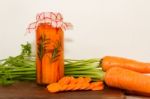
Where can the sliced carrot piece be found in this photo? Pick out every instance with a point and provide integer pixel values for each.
(77, 86)
(87, 79)
(54, 87)
(73, 80)
(70, 87)
(98, 88)
(63, 87)
(85, 86)
(97, 83)
(80, 80)
(65, 80)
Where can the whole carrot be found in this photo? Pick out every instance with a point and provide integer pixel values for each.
(108, 62)
(128, 80)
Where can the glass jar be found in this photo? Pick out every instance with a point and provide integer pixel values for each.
(49, 28)
(49, 54)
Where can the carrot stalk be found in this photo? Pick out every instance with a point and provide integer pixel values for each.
(81, 67)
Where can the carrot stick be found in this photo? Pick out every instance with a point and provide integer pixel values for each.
(38, 71)
(55, 71)
(61, 65)
(61, 57)
(38, 61)
(111, 61)
(128, 80)
(45, 73)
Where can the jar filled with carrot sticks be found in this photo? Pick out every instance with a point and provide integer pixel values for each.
(49, 28)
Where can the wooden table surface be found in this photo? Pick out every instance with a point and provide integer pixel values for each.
(30, 90)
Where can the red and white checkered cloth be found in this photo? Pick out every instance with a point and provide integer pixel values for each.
(53, 19)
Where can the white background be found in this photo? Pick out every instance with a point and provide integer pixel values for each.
(101, 27)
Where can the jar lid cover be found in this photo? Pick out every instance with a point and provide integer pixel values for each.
(53, 19)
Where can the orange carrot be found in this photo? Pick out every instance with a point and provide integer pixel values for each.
(63, 87)
(73, 80)
(111, 61)
(71, 84)
(86, 83)
(38, 71)
(87, 79)
(85, 86)
(128, 80)
(65, 80)
(95, 84)
(54, 87)
(81, 80)
(70, 87)
(67, 83)
(78, 83)
(100, 87)
(77, 86)
(61, 57)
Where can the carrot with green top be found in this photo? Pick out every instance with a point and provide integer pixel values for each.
(108, 62)
(122, 78)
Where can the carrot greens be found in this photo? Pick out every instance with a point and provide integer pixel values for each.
(22, 67)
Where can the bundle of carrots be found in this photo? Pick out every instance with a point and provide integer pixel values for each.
(121, 73)
(71, 84)
(126, 74)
